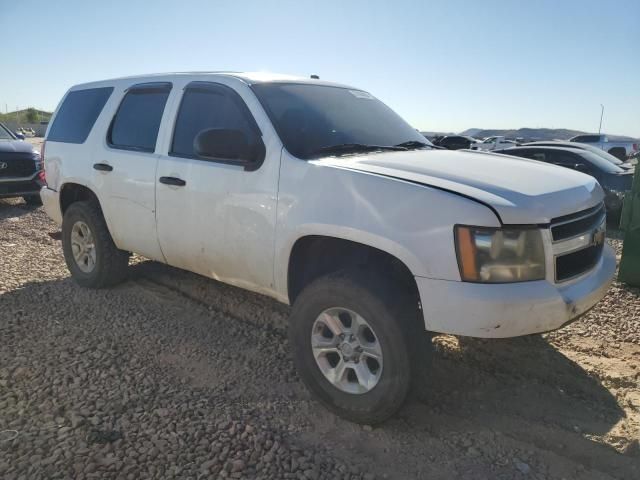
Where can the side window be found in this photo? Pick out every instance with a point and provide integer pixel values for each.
(209, 106)
(570, 161)
(137, 121)
(77, 115)
(540, 156)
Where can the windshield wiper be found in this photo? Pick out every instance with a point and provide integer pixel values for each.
(417, 144)
(357, 147)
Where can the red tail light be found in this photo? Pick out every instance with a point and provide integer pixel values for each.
(42, 176)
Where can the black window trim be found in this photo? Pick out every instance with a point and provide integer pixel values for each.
(204, 86)
(139, 88)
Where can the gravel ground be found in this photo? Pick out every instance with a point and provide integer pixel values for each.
(171, 375)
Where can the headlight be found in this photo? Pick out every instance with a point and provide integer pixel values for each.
(613, 199)
(499, 255)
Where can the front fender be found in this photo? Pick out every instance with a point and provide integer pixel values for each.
(412, 222)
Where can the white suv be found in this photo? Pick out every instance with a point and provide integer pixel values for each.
(320, 196)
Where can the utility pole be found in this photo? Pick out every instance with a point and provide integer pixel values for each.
(601, 115)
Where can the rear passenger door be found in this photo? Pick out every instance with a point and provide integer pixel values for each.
(216, 216)
(125, 166)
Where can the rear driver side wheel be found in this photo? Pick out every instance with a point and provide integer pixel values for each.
(91, 256)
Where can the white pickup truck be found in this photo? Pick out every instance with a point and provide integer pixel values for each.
(618, 149)
(320, 196)
(493, 143)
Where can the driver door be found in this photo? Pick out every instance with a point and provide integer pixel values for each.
(216, 216)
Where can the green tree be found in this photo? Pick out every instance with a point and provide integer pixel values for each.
(32, 115)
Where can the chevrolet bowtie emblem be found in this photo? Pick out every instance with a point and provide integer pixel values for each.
(598, 236)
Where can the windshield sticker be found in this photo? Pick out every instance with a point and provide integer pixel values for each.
(361, 94)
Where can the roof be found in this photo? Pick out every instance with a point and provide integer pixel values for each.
(247, 77)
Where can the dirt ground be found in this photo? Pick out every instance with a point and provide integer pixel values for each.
(172, 375)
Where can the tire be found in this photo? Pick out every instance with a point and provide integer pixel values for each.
(387, 311)
(34, 200)
(109, 264)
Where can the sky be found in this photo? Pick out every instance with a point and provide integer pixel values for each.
(444, 65)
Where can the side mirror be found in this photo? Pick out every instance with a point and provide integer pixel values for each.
(228, 144)
(19, 136)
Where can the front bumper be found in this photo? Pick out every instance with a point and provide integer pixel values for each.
(51, 203)
(20, 187)
(512, 309)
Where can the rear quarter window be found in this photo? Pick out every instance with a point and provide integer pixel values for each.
(77, 115)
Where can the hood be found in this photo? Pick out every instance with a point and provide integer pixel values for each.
(521, 191)
(15, 146)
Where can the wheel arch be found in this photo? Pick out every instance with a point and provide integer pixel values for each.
(72, 192)
(312, 256)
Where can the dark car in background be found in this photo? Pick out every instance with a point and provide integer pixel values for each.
(581, 146)
(455, 142)
(614, 180)
(20, 168)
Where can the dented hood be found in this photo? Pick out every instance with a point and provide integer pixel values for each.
(521, 191)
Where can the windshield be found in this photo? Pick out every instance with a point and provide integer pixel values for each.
(602, 164)
(5, 134)
(601, 153)
(311, 119)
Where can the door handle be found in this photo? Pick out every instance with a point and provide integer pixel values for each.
(176, 182)
(103, 167)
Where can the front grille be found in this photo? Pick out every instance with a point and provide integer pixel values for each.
(573, 264)
(17, 165)
(577, 223)
(578, 240)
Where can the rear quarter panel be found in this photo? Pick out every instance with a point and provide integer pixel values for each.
(67, 163)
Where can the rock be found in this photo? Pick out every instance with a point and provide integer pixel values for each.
(473, 452)
(521, 466)
(311, 474)
(206, 466)
(237, 465)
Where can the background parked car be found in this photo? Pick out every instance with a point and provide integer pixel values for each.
(615, 181)
(20, 168)
(455, 142)
(619, 149)
(493, 143)
(583, 146)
